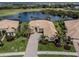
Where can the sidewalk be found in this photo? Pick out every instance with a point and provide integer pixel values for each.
(57, 53)
(40, 52)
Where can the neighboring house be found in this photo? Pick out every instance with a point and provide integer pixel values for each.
(73, 31)
(43, 26)
(9, 26)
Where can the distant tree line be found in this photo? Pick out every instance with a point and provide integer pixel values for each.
(24, 6)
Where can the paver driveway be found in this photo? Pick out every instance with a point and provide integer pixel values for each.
(32, 47)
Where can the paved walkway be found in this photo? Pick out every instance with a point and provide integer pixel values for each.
(32, 47)
(40, 52)
(57, 53)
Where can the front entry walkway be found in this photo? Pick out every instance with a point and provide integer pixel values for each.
(32, 47)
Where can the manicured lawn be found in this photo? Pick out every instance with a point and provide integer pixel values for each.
(52, 47)
(16, 45)
(56, 56)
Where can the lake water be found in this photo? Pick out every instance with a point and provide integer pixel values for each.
(27, 16)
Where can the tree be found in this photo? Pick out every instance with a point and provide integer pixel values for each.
(24, 30)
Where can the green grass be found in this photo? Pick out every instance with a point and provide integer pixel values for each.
(56, 56)
(14, 11)
(16, 45)
(6, 12)
(52, 47)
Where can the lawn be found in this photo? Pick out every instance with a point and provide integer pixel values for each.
(52, 47)
(14, 11)
(6, 12)
(56, 56)
(17, 45)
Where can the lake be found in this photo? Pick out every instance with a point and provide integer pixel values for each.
(28, 16)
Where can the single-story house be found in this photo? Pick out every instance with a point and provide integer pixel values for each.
(73, 31)
(9, 26)
(45, 26)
